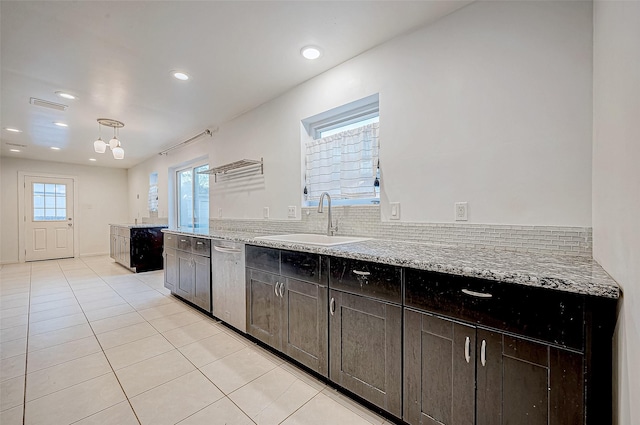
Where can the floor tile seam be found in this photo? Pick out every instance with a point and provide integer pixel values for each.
(70, 295)
(111, 366)
(64, 362)
(52, 318)
(118, 328)
(348, 406)
(2, 341)
(59, 329)
(102, 410)
(223, 357)
(9, 308)
(15, 315)
(241, 386)
(26, 354)
(67, 387)
(209, 405)
(128, 342)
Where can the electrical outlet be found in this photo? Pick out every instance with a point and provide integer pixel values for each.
(460, 212)
(219, 212)
(291, 212)
(265, 212)
(395, 210)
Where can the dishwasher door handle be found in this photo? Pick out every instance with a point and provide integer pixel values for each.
(227, 250)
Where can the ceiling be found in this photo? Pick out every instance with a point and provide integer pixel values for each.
(116, 57)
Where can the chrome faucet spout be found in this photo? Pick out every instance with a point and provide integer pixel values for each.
(330, 228)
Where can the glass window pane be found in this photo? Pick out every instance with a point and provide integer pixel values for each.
(50, 202)
(50, 214)
(38, 201)
(38, 214)
(38, 188)
(61, 202)
(202, 197)
(185, 198)
(49, 189)
(61, 189)
(61, 214)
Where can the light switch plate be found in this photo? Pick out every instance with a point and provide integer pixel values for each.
(460, 212)
(395, 210)
(219, 212)
(291, 211)
(265, 212)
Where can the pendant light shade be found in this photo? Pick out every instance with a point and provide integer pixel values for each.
(118, 152)
(114, 144)
(99, 145)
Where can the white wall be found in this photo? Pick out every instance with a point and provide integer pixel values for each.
(490, 105)
(616, 182)
(102, 199)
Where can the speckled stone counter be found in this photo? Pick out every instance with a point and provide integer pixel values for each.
(564, 273)
(140, 226)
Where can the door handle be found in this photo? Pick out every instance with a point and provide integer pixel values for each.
(361, 273)
(332, 306)
(476, 294)
(275, 288)
(467, 347)
(227, 250)
(483, 353)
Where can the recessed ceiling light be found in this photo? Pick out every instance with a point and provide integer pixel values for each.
(14, 150)
(14, 130)
(183, 76)
(55, 148)
(92, 159)
(60, 124)
(65, 95)
(311, 52)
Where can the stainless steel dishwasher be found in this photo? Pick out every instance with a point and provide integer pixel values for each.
(228, 282)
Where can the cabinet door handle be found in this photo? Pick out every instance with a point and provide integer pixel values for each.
(281, 290)
(227, 250)
(361, 273)
(275, 288)
(183, 240)
(332, 306)
(199, 243)
(476, 294)
(483, 353)
(467, 348)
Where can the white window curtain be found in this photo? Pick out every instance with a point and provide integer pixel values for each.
(343, 164)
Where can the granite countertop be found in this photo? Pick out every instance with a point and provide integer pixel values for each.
(574, 274)
(140, 226)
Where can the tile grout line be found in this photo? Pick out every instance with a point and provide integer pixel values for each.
(26, 349)
(103, 353)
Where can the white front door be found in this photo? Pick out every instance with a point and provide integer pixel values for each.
(48, 218)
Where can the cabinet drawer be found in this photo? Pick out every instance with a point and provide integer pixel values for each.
(302, 265)
(113, 230)
(370, 279)
(183, 243)
(123, 231)
(261, 258)
(171, 240)
(547, 315)
(201, 246)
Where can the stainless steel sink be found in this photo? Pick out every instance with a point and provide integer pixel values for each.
(311, 239)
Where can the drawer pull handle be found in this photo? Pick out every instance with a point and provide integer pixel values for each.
(275, 288)
(183, 240)
(281, 290)
(332, 306)
(467, 347)
(476, 294)
(361, 273)
(199, 243)
(483, 353)
(227, 250)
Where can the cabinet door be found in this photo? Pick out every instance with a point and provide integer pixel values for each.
(365, 339)
(525, 382)
(439, 371)
(170, 269)
(112, 246)
(202, 281)
(304, 324)
(185, 285)
(263, 307)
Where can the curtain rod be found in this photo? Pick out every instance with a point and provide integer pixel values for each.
(207, 132)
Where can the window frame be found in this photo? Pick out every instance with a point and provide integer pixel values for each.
(195, 224)
(350, 113)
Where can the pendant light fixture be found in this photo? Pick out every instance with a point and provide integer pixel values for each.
(114, 144)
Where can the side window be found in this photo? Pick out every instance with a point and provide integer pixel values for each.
(192, 197)
(341, 154)
(153, 194)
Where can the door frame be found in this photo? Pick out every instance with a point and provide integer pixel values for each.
(22, 213)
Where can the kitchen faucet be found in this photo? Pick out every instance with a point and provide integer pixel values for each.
(330, 228)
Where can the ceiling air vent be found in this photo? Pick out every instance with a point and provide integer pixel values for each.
(47, 104)
(17, 145)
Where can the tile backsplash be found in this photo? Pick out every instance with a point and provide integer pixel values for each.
(365, 221)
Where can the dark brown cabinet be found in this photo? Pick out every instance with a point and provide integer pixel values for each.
(187, 271)
(365, 331)
(288, 309)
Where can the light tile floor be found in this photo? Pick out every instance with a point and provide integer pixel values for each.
(85, 341)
